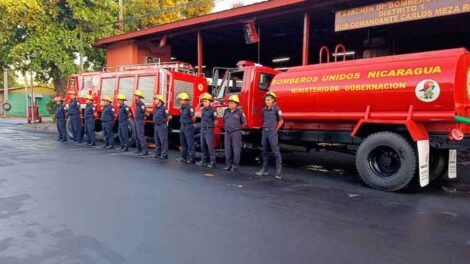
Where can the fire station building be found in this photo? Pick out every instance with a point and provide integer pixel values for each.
(284, 33)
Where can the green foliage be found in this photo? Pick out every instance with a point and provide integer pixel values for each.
(141, 14)
(44, 35)
(50, 107)
(47, 36)
(11, 79)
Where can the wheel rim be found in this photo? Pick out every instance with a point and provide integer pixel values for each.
(384, 161)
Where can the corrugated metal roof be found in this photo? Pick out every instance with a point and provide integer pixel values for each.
(234, 13)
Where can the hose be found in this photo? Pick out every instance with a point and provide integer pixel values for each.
(462, 119)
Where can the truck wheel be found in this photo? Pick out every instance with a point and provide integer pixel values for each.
(437, 163)
(197, 138)
(69, 128)
(386, 161)
(132, 132)
(116, 131)
(131, 129)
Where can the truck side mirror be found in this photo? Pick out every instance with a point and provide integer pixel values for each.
(215, 79)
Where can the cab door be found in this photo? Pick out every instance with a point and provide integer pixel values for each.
(260, 86)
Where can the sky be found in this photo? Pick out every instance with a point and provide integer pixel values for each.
(227, 4)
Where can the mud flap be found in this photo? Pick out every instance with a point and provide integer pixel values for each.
(452, 172)
(423, 157)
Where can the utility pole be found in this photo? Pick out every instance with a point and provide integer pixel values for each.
(121, 16)
(32, 99)
(81, 48)
(5, 89)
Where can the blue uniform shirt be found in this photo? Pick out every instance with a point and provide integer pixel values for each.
(160, 115)
(207, 117)
(186, 114)
(108, 113)
(74, 107)
(60, 111)
(89, 111)
(140, 111)
(123, 112)
(271, 116)
(234, 121)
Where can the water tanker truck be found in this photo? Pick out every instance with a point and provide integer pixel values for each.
(404, 117)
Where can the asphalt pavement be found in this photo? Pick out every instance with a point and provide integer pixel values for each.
(67, 203)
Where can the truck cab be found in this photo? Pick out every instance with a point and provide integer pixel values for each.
(250, 81)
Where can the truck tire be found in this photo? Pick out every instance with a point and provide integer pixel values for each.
(132, 132)
(69, 129)
(386, 161)
(197, 138)
(437, 163)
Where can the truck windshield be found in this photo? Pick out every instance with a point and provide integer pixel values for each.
(231, 84)
(72, 83)
(87, 83)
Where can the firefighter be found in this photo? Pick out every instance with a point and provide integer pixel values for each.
(107, 122)
(160, 133)
(234, 121)
(207, 132)
(123, 116)
(90, 121)
(186, 129)
(74, 113)
(140, 114)
(61, 117)
(272, 121)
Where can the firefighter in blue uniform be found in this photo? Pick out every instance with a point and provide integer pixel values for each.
(160, 133)
(186, 129)
(107, 122)
(234, 121)
(123, 116)
(61, 117)
(74, 113)
(272, 121)
(90, 120)
(207, 132)
(140, 114)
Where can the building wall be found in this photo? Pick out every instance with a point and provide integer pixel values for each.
(18, 101)
(134, 52)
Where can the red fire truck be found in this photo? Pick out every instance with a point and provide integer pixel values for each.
(167, 79)
(403, 116)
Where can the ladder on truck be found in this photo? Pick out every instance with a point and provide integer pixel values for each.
(174, 66)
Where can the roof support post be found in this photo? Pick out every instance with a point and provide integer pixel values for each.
(199, 52)
(306, 39)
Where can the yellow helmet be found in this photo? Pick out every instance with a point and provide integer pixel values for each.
(107, 98)
(272, 94)
(184, 96)
(206, 96)
(89, 97)
(234, 98)
(139, 93)
(159, 97)
(121, 97)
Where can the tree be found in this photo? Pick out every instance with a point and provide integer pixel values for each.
(44, 35)
(141, 14)
(11, 79)
(237, 4)
(49, 36)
